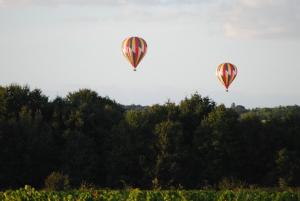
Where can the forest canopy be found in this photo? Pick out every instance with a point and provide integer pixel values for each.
(95, 140)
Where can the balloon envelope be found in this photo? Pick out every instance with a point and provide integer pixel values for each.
(134, 49)
(226, 73)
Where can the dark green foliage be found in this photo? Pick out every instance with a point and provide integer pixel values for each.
(193, 144)
(57, 181)
(29, 193)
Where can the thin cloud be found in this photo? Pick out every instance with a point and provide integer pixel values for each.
(262, 18)
(97, 2)
(237, 18)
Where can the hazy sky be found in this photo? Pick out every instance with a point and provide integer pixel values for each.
(64, 45)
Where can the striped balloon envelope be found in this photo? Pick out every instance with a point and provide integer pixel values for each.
(134, 49)
(226, 73)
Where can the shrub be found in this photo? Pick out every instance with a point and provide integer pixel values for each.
(230, 183)
(57, 181)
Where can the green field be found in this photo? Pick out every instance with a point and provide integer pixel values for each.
(30, 194)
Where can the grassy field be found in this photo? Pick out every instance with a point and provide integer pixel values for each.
(30, 194)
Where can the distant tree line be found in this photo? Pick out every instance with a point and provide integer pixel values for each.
(193, 144)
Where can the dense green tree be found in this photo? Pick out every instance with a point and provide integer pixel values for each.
(26, 138)
(217, 142)
(131, 156)
(95, 140)
(288, 167)
(170, 154)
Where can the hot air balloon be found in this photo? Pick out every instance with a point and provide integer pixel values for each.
(226, 73)
(134, 49)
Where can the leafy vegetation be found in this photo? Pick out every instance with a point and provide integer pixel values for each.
(57, 181)
(29, 193)
(95, 141)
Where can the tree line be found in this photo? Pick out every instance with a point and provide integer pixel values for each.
(95, 140)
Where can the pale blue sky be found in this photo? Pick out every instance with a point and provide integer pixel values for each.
(64, 45)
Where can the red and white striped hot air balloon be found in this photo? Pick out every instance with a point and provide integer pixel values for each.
(226, 73)
(134, 49)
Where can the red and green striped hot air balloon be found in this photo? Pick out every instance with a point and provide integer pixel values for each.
(226, 73)
(134, 49)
